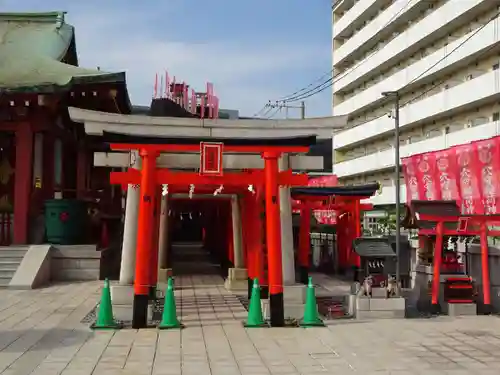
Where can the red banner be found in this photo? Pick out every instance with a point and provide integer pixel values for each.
(469, 174)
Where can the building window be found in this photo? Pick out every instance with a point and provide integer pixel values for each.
(496, 66)
(496, 116)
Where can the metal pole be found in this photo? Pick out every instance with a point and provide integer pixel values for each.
(303, 110)
(398, 198)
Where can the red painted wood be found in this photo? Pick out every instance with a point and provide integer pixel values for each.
(243, 178)
(24, 162)
(143, 268)
(273, 225)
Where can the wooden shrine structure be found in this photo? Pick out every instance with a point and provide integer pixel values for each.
(437, 219)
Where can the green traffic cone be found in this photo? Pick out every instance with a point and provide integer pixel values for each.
(105, 319)
(169, 318)
(311, 315)
(255, 318)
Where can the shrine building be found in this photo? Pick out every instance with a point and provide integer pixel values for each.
(78, 147)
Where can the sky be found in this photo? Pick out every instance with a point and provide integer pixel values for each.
(253, 51)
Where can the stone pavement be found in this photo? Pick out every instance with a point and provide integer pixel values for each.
(41, 333)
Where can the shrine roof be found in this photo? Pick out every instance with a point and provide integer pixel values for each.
(373, 247)
(38, 54)
(354, 191)
(112, 137)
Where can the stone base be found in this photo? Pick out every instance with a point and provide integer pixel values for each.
(122, 299)
(237, 279)
(380, 308)
(462, 309)
(125, 312)
(295, 293)
(293, 310)
(122, 294)
(164, 274)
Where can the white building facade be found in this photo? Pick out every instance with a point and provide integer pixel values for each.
(442, 57)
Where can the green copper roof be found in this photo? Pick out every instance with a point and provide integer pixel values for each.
(32, 46)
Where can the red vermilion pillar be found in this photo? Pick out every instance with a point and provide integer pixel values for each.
(304, 242)
(24, 165)
(438, 257)
(273, 228)
(485, 269)
(143, 267)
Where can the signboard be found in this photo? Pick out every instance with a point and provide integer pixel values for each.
(211, 158)
(468, 174)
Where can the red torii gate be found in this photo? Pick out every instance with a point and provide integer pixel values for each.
(449, 222)
(343, 199)
(150, 176)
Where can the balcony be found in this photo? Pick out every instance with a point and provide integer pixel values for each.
(371, 32)
(438, 23)
(351, 19)
(469, 94)
(385, 159)
(479, 42)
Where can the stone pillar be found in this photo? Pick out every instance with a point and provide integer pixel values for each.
(237, 235)
(164, 271)
(127, 267)
(287, 251)
(237, 278)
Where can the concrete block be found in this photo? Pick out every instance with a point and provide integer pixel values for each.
(237, 279)
(294, 293)
(395, 314)
(387, 304)
(236, 285)
(34, 269)
(462, 309)
(379, 292)
(292, 310)
(238, 273)
(362, 303)
(125, 312)
(122, 294)
(164, 274)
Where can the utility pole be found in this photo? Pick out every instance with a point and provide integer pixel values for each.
(395, 95)
(302, 108)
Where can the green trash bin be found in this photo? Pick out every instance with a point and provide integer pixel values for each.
(65, 221)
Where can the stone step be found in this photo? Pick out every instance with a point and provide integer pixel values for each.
(10, 263)
(7, 272)
(13, 251)
(4, 281)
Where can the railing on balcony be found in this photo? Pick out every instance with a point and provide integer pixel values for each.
(6, 223)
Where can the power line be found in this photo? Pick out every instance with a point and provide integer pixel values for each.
(298, 95)
(428, 69)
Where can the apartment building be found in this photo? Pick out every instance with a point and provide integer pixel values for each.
(442, 56)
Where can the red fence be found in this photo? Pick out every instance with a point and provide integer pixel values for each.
(469, 174)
